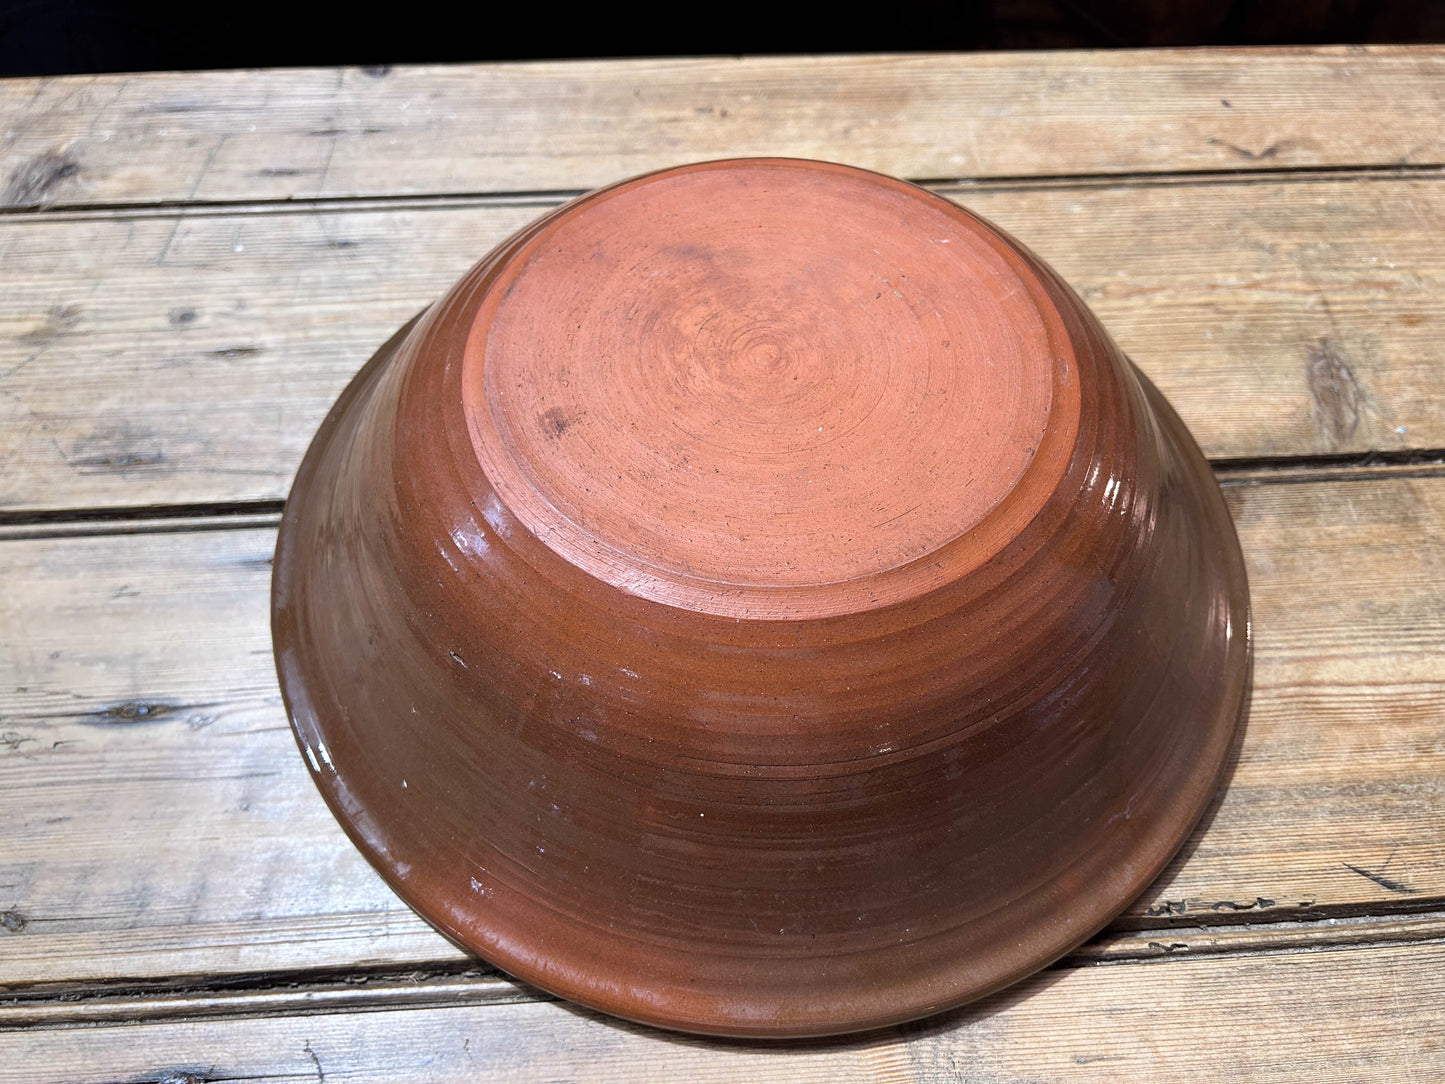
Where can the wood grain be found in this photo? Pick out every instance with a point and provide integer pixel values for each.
(208, 136)
(138, 704)
(1316, 1017)
(1287, 319)
(174, 338)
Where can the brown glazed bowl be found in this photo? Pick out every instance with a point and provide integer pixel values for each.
(759, 599)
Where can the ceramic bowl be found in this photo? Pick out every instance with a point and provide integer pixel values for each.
(760, 599)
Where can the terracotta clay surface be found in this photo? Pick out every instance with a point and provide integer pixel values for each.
(759, 599)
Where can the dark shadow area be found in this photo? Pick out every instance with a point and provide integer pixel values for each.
(52, 37)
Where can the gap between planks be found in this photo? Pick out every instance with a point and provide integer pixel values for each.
(1321, 1018)
(244, 515)
(472, 982)
(544, 199)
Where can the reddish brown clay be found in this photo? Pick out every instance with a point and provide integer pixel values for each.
(759, 599)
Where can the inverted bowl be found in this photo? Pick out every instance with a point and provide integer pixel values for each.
(760, 599)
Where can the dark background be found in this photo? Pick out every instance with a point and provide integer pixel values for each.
(50, 37)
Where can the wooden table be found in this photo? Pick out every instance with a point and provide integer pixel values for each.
(193, 265)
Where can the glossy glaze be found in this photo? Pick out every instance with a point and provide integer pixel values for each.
(759, 599)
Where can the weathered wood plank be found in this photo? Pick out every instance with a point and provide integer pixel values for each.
(1349, 1015)
(1280, 318)
(565, 125)
(160, 821)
